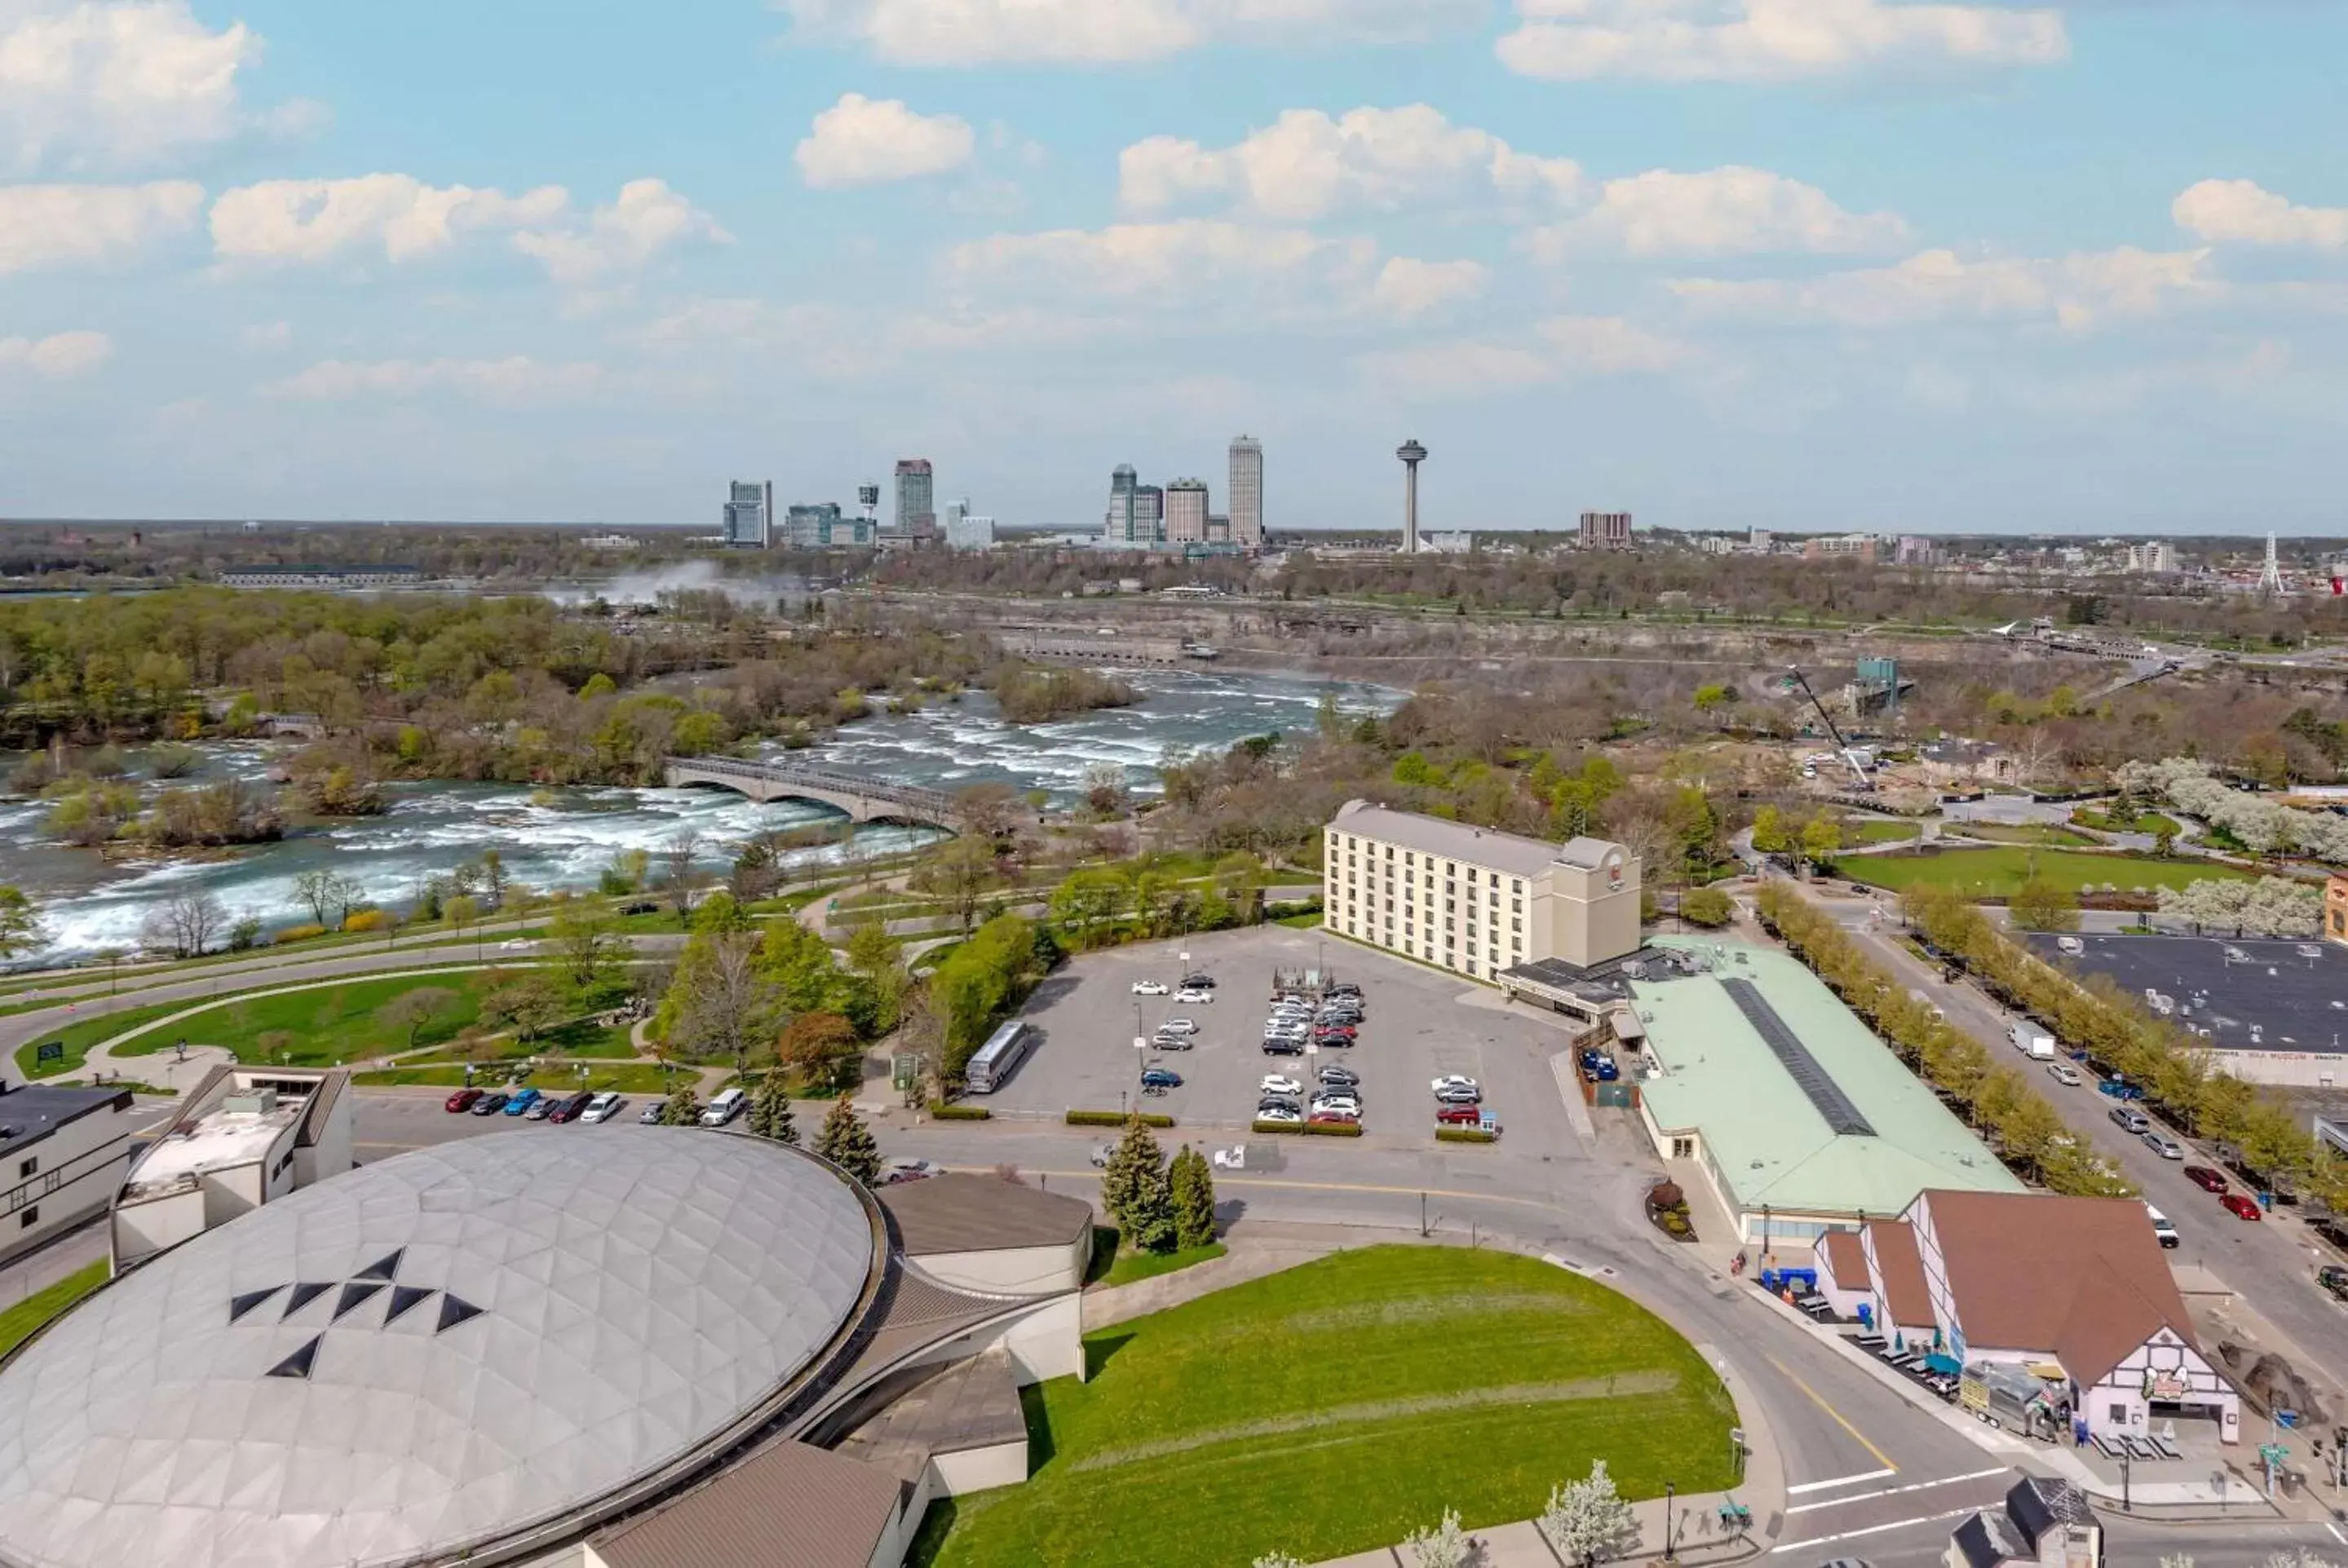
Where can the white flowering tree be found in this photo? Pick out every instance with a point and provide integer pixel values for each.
(1278, 1560)
(2265, 906)
(1588, 1520)
(2260, 823)
(1444, 1545)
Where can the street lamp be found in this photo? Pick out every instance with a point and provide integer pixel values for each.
(1671, 1516)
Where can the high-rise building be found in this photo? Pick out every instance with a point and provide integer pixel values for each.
(1149, 516)
(809, 527)
(2155, 557)
(1606, 531)
(917, 507)
(1247, 492)
(1219, 529)
(1117, 526)
(750, 515)
(1186, 512)
(966, 531)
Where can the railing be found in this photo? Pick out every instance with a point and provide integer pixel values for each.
(936, 802)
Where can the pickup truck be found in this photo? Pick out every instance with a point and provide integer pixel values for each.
(2334, 1278)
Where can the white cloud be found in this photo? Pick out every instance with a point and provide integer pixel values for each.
(1094, 31)
(59, 357)
(1724, 211)
(2076, 291)
(1307, 165)
(868, 141)
(84, 83)
(265, 337)
(1407, 287)
(1167, 265)
(396, 215)
(89, 225)
(2241, 211)
(1766, 40)
(622, 236)
(1559, 350)
(514, 381)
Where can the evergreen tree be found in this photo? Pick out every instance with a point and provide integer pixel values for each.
(681, 1109)
(770, 1109)
(1135, 1191)
(1192, 1181)
(847, 1142)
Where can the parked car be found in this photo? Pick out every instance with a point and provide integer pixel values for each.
(2240, 1206)
(651, 1115)
(906, 1168)
(1278, 1113)
(1458, 1080)
(724, 1106)
(463, 1100)
(2134, 1121)
(1161, 1078)
(2118, 1089)
(541, 1108)
(519, 1102)
(1326, 1117)
(1453, 1094)
(1341, 1104)
(1278, 1103)
(1101, 1156)
(1344, 988)
(1193, 996)
(1150, 988)
(1459, 1115)
(1165, 1041)
(1283, 1047)
(2334, 1278)
(1332, 1073)
(1199, 980)
(570, 1107)
(2205, 1178)
(604, 1107)
(1280, 1083)
(1334, 1038)
(2064, 1072)
(1178, 1026)
(1295, 1031)
(2162, 1144)
(1347, 1030)
(2163, 1230)
(491, 1104)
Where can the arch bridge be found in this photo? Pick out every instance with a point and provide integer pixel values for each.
(863, 799)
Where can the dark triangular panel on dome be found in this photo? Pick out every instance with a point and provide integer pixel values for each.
(298, 1364)
(356, 1293)
(302, 1296)
(385, 1267)
(454, 1310)
(404, 1297)
(239, 1305)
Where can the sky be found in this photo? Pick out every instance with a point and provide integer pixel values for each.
(1819, 264)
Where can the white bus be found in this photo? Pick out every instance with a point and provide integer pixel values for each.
(999, 1058)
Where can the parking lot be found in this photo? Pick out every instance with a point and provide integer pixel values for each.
(1418, 1026)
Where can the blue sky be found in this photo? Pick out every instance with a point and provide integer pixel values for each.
(1823, 263)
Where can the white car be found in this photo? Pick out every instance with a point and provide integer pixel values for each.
(1343, 1104)
(1178, 1026)
(1192, 996)
(1150, 988)
(2064, 1072)
(518, 944)
(1278, 1114)
(604, 1107)
(1281, 1032)
(906, 1168)
(1277, 1084)
(1102, 1154)
(1458, 1081)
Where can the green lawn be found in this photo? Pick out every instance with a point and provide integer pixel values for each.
(335, 1024)
(1333, 1407)
(2042, 836)
(82, 1033)
(1998, 872)
(627, 1077)
(1112, 1265)
(1872, 831)
(19, 1322)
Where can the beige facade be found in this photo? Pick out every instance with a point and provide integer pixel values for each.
(1472, 900)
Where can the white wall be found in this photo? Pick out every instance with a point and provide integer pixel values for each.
(75, 1173)
(145, 1228)
(1014, 1271)
(1044, 1342)
(232, 1191)
(980, 1469)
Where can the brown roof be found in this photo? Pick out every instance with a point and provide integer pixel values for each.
(790, 1505)
(321, 1106)
(972, 1404)
(955, 1213)
(2083, 1277)
(1846, 1259)
(1905, 1296)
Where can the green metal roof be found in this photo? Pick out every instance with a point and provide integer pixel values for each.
(1763, 1129)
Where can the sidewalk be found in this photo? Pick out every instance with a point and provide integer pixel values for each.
(1697, 1537)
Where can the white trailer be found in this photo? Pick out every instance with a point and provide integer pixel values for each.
(2032, 1044)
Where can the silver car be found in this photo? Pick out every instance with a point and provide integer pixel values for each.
(2162, 1144)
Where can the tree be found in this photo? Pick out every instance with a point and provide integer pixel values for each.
(493, 877)
(328, 894)
(721, 914)
(527, 1003)
(2164, 839)
(681, 1108)
(1278, 1559)
(1192, 1194)
(185, 924)
(1588, 1520)
(770, 1110)
(20, 923)
(411, 1013)
(676, 860)
(1769, 834)
(584, 941)
(461, 912)
(847, 1142)
(961, 874)
(720, 1003)
(821, 1047)
(1135, 1191)
(1444, 1545)
(1706, 907)
(2039, 905)
(1821, 840)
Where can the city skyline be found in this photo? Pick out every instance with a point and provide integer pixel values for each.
(275, 260)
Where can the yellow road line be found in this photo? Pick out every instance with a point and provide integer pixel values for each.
(1836, 1415)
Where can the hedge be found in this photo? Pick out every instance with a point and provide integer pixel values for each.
(1117, 1117)
(1447, 1135)
(298, 933)
(1313, 1129)
(941, 1112)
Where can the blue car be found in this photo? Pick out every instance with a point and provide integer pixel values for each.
(1161, 1078)
(520, 1101)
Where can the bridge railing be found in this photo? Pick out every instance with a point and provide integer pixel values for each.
(937, 801)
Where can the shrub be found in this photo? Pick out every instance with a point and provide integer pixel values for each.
(1706, 907)
(367, 920)
(942, 1112)
(1464, 1135)
(1115, 1119)
(1313, 1129)
(298, 933)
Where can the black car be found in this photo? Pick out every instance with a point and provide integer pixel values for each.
(1334, 1040)
(568, 1108)
(1281, 1102)
(2334, 1278)
(1200, 982)
(1344, 988)
(1283, 1047)
(492, 1103)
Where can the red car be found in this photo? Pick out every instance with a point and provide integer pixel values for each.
(1334, 1119)
(2240, 1207)
(2203, 1177)
(462, 1100)
(1459, 1115)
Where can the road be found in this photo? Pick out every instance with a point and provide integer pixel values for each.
(2270, 1263)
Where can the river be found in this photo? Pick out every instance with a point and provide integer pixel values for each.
(564, 838)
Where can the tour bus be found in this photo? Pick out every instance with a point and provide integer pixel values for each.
(1000, 1057)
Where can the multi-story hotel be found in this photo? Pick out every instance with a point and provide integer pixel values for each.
(1474, 900)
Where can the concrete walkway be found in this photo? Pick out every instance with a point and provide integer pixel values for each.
(1699, 1535)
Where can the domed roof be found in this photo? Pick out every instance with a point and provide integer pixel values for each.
(435, 1352)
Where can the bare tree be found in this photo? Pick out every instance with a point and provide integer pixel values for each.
(725, 1007)
(677, 859)
(187, 924)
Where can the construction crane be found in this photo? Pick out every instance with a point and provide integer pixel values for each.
(1842, 747)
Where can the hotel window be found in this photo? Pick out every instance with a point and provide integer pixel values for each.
(28, 1167)
(1516, 924)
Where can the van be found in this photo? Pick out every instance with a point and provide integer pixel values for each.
(727, 1106)
(2163, 1232)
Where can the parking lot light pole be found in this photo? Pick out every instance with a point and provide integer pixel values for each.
(1669, 1515)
